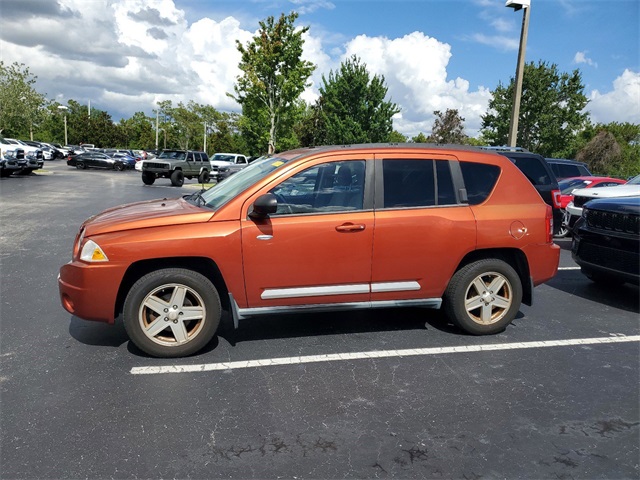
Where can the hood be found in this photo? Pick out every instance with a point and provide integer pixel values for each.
(627, 205)
(154, 213)
(608, 192)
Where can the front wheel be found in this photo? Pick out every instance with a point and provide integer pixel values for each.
(148, 178)
(483, 297)
(172, 312)
(177, 178)
(203, 177)
(119, 167)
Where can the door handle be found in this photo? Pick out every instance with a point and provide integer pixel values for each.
(350, 227)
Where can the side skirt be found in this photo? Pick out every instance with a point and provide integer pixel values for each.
(242, 313)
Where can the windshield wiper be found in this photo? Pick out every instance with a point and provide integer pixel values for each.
(198, 199)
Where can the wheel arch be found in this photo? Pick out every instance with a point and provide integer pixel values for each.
(203, 265)
(514, 257)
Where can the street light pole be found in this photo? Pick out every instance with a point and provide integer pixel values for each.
(64, 109)
(525, 5)
(205, 138)
(157, 114)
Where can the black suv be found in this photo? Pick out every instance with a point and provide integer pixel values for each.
(540, 174)
(176, 165)
(563, 168)
(606, 240)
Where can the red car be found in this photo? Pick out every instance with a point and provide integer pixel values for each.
(568, 185)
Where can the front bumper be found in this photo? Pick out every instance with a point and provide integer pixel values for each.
(90, 291)
(614, 254)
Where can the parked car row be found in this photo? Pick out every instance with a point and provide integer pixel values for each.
(19, 158)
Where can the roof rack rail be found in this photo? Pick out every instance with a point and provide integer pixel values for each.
(504, 148)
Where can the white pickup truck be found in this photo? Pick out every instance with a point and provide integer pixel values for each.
(224, 165)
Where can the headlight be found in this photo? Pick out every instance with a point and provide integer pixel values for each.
(91, 252)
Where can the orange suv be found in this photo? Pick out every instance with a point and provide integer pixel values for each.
(319, 229)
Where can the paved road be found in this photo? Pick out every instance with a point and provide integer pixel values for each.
(79, 401)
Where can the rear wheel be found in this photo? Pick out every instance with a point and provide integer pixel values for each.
(172, 312)
(177, 178)
(119, 166)
(81, 166)
(483, 297)
(148, 178)
(203, 177)
(564, 226)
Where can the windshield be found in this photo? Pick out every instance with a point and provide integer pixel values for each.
(172, 154)
(568, 186)
(634, 181)
(224, 191)
(222, 157)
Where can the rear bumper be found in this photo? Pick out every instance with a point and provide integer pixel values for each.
(543, 262)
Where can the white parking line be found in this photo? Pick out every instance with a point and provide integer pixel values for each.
(568, 268)
(336, 357)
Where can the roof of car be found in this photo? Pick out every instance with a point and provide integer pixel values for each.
(384, 146)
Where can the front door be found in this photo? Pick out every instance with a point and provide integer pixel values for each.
(316, 249)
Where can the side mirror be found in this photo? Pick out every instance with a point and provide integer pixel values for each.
(263, 206)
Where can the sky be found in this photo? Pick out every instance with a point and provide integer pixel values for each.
(123, 56)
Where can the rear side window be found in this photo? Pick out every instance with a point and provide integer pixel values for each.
(417, 183)
(533, 168)
(479, 180)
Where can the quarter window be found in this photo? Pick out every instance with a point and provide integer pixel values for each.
(479, 180)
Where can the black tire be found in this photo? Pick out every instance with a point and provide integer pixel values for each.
(5, 173)
(148, 178)
(488, 311)
(177, 178)
(81, 166)
(25, 171)
(119, 167)
(203, 177)
(157, 290)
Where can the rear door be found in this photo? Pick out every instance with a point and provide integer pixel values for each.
(422, 227)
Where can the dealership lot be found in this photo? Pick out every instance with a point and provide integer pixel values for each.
(394, 393)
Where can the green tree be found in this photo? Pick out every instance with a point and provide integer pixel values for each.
(611, 149)
(420, 138)
(22, 108)
(551, 110)
(397, 137)
(273, 76)
(448, 127)
(353, 104)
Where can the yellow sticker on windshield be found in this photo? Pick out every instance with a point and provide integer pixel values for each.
(277, 164)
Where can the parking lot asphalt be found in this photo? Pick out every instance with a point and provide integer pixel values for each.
(380, 394)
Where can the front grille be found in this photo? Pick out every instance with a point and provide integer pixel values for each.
(155, 165)
(618, 222)
(613, 258)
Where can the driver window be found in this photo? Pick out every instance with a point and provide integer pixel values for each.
(325, 188)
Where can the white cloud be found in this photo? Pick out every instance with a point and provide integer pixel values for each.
(415, 70)
(143, 51)
(581, 57)
(622, 104)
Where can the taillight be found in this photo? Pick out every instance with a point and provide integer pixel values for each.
(549, 224)
(557, 201)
